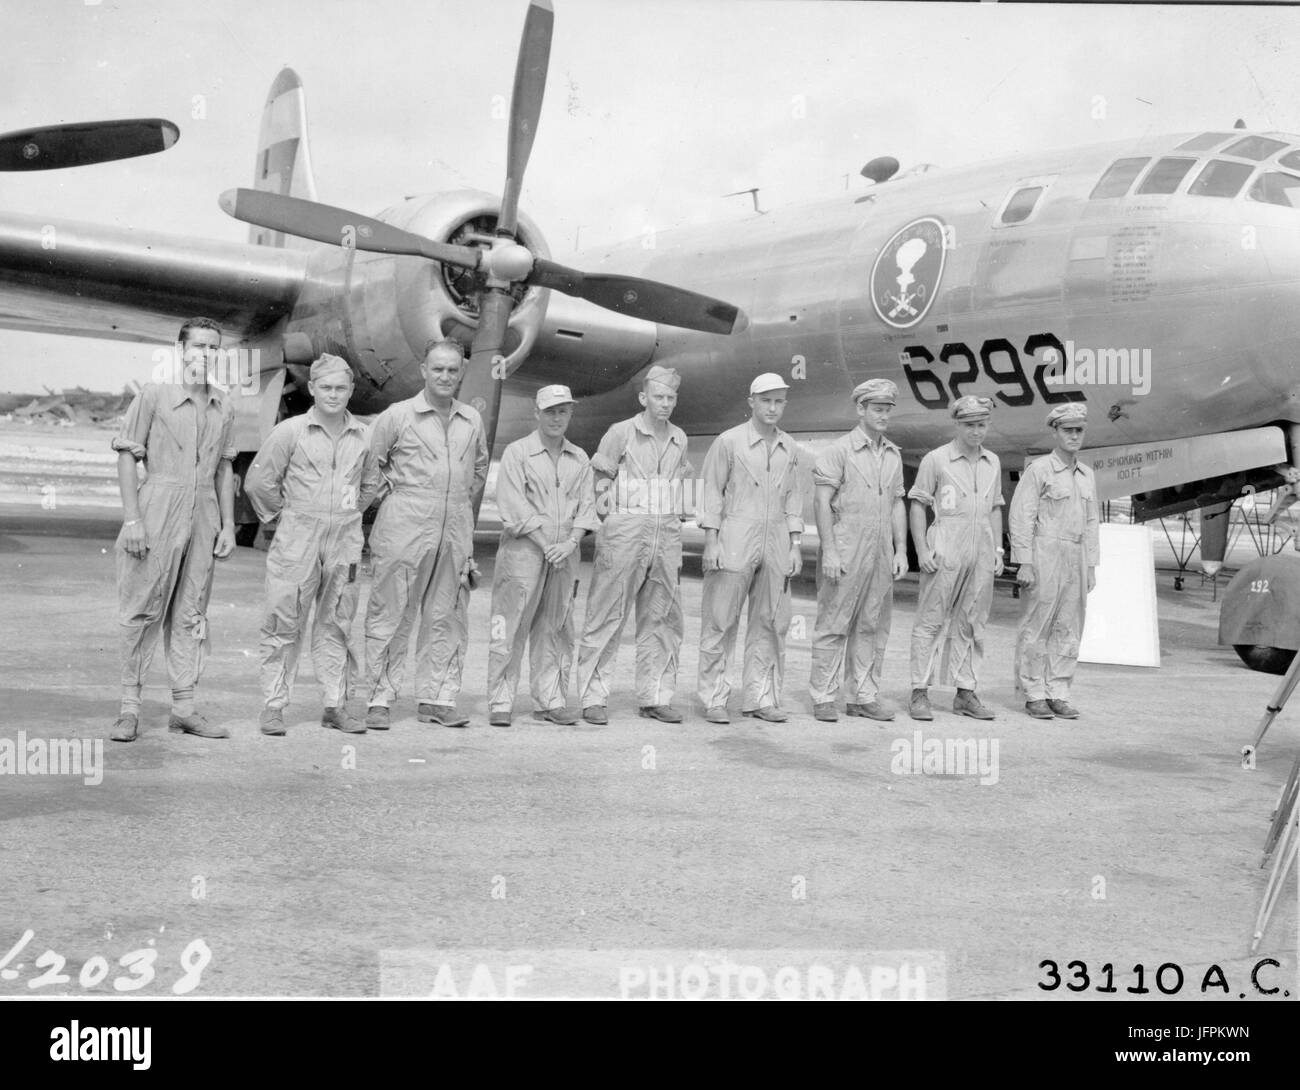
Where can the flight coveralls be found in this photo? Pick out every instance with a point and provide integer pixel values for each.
(853, 612)
(312, 483)
(422, 544)
(182, 440)
(532, 600)
(751, 497)
(638, 560)
(1053, 527)
(954, 601)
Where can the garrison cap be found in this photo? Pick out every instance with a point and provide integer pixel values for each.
(550, 396)
(326, 365)
(972, 407)
(665, 376)
(875, 389)
(766, 383)
(1072, 412)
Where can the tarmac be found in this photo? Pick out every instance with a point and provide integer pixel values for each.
(327, 865)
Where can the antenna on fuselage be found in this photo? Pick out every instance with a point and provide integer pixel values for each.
(753, 193)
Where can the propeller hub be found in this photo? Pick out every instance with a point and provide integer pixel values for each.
(508, 261)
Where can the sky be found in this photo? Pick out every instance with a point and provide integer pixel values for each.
(654, 109)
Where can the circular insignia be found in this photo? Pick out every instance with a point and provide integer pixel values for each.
(629, 297)
(905, 278)
(31, 151)
(480, 405)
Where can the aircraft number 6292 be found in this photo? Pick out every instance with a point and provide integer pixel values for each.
(1000, 362)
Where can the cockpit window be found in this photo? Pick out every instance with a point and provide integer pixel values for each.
(1274, 187)
(1204, 142)
(1291, 160)
(1021, 204)
(1118, 177)
(1220, 178)
(1165, 175)
(1255, 147)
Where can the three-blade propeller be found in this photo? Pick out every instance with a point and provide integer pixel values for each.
(506, 263)
(79, 144)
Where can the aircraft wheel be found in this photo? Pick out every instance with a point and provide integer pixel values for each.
(246, 534)
(1267, 660)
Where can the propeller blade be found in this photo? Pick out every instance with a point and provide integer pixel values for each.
(647, 299)
(526, 106)
(482, 384)
(337, 226)
(53, 146)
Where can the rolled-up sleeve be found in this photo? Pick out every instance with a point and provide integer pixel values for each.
(899, 490)
(717, 470)
(613, 444)
(518, 519)
(227, 448)
(829, 467)
(1024, 516)
(133, 437)
(264, 482)
(998, 500)
(927, 479)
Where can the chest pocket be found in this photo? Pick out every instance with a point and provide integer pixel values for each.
(948, 498)
(1059, 491)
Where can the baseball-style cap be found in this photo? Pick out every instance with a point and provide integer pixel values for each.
(876, 389)
(1072, 413)
(766, 383)
(972, 407)
(550, 396)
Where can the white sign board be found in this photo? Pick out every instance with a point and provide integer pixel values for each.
(1121, 625)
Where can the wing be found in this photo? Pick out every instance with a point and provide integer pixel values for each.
(90, 280)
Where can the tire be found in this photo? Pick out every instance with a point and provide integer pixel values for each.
(246, 534)
(1267, 660)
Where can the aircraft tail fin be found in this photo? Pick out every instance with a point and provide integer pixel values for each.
(283, 159)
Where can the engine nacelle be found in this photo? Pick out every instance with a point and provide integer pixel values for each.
(378, 311)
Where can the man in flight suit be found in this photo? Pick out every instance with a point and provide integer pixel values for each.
(308, 475)
(176, 523)
(959, 557)
(1054, 539)
(546, 503)
(862, 527)
(751, 515)
(428, 464)
(638, 555)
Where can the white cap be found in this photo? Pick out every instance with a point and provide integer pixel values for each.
(550, 396)
(767, 382)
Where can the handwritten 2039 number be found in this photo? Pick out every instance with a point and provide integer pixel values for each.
(139, 966)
